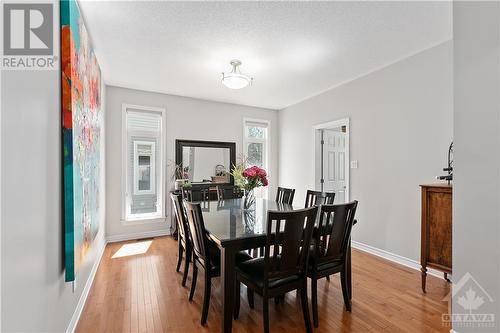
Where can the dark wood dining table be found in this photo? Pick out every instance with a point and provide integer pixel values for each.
(234, 229)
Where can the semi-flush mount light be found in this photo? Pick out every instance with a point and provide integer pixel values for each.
(235, 79)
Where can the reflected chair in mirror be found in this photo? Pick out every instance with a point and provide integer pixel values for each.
(237, 192)
(284, 265)
(285, 195)
(220, 193)
(185, 245)
(206, 255)
(316, 198)
(330, 251)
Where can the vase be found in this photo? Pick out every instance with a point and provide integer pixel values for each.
(249, 200)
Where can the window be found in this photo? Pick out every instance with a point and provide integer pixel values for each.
(144, 168)
(143, 160)
(256, 142)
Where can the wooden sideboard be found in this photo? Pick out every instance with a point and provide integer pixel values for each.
(436, 229)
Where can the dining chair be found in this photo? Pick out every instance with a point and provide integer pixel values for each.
(200, 194)
(330, 250)
(316, 198)
(206, 255)
(284, 265)
(187, 194)
(285, 195)
(184, 240)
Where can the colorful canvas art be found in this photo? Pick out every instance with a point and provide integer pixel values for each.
(81, 125)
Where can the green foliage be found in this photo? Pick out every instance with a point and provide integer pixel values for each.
(237, 173)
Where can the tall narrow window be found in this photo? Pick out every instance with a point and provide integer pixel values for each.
(255, 144)
(144, 161)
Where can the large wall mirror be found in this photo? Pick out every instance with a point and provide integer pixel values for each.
(206, 161)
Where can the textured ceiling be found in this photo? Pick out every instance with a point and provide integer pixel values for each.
(294, 50)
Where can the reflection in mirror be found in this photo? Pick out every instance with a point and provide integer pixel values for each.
(206, 164)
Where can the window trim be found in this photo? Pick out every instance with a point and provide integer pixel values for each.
(146, 218)
(266, 142)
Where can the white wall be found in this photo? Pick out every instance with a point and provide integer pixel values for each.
(35, 297)
(187, 118)
(476, 199)
(205, 161)
(401, 126)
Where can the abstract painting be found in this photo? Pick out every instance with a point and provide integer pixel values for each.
(81, 126)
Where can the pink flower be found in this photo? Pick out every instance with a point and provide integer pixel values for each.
(249, 172)
(265, 182)
(261, 172)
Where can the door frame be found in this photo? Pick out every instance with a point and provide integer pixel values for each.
(332, 124)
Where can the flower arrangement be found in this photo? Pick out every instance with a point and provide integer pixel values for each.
(180, 175)
(248, 179)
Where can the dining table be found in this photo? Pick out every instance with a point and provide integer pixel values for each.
(233, 229)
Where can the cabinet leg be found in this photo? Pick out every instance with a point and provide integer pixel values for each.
(424, 277)
(446, 277)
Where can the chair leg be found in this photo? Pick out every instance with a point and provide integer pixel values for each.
(250, 298)
(328, 278)
(206, 298)
(193, 282)
(237, 297)
(314, 300)
(349, 272)
(345, 289)
(349, 282)
(279, 299)
(305, 308)
(265, 313)
(186, 266)
(179, 260)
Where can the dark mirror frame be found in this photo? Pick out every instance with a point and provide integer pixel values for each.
(180, 144)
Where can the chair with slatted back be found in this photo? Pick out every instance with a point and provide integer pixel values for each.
(285, 195)
(199, 194)
(316, 198)
(206, 255)
(184, 240)
(284, 265)
(330, 250)
(187, 194)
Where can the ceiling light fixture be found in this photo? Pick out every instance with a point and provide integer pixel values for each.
(235, 79)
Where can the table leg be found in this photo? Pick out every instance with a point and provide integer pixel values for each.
(227, 281)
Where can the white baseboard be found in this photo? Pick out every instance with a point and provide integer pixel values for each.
(137, 235)
(395, 258)
(85, 293)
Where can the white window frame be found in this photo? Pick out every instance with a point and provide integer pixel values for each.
(150, 217)
(152, 167)
(266, 141)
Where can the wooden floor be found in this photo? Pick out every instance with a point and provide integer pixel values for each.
(143, 293)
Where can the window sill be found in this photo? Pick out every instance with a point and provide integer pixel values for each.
(144, 220)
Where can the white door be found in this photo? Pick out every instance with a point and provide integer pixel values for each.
(334, 173)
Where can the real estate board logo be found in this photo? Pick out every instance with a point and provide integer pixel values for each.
(469, 305)
(28, 36)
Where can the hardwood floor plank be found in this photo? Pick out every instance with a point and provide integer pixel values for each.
(143, 293)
